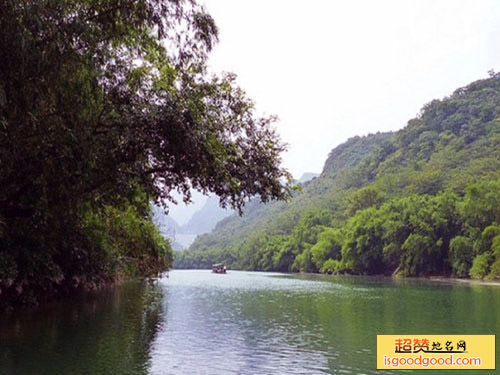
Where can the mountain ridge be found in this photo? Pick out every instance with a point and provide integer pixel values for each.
(345, 219)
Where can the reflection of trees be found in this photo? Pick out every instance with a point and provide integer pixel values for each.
(107, 333)
(286, 329)
(341, 323)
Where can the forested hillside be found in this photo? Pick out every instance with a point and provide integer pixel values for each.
(422, 201)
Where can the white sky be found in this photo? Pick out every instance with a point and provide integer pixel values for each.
(335, 69)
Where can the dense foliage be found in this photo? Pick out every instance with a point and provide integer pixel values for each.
(422, 201)
(104, 107)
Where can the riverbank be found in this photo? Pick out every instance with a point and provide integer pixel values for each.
(440, 279)
(466, 281)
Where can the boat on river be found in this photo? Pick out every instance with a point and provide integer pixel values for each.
(219, 268)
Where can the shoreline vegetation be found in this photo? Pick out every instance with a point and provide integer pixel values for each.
(422, 201)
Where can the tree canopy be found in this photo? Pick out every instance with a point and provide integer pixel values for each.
(104, 106)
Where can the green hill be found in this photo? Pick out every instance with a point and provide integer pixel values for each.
(421, 201)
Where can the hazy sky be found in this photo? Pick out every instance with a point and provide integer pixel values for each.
(335, 69)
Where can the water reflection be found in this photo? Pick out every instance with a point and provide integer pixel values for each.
(250, 323)
(107, 333)
(235, 324)
(196, 322)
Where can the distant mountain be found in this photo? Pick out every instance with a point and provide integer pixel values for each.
(205, 219)
(306, 177)
(202, 221)
(168, 227)
(181, 211)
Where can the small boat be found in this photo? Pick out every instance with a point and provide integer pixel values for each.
(219, 268)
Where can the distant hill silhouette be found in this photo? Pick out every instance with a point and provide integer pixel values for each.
(306, 177)
(205, 219)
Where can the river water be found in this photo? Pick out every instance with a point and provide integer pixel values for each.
(196, 322)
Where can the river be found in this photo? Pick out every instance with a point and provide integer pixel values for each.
(196, 322)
